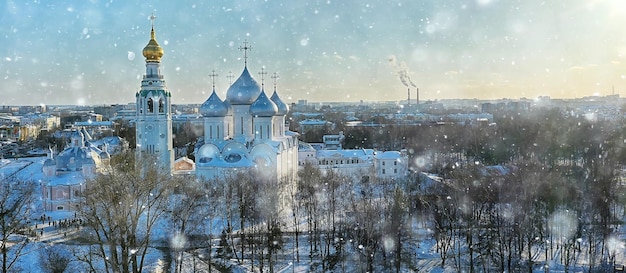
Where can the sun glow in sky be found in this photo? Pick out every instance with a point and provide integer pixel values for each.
(89, 52)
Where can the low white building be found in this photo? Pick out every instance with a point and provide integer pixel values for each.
(391, 164)
(356, 163)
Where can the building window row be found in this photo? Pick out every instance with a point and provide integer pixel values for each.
(340, 161)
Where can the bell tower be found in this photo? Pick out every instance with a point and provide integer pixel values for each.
(154, 118)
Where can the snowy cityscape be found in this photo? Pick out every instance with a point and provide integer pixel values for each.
(322, 139)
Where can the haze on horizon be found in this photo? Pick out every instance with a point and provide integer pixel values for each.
(89, 52)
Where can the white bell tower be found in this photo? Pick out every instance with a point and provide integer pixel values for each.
(154, 118)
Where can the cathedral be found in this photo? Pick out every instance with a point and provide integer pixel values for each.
(245, 131)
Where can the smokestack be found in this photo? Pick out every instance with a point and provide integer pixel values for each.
(417, 99)
(408, 94)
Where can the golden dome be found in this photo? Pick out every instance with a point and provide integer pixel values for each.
(153, 52)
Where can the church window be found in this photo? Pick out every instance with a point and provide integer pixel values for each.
(150, 105)
(218, 131)
(383, 171)
(242, 125)
(211, 132)
(395, 163)
(60, 194)
(268, 132)
(161, 106)
(261, 131)
(232, 158)
(383, 163)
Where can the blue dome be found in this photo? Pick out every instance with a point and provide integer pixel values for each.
(283, 109)
(230, 108)
(213, 107)
(263, 106)
(244, 90)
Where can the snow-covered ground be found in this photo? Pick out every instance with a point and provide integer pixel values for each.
(421, 257)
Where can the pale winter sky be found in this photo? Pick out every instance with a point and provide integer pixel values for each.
(89, 52)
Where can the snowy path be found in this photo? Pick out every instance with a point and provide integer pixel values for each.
(53, 234)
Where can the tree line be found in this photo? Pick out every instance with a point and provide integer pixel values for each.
(559, 198)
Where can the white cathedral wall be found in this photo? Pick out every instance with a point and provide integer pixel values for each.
(214, 129)
(262, 127)
(242, 121)
(279, 126)
(293, 161)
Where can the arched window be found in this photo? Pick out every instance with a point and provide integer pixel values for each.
(150, 106)
(161, 106)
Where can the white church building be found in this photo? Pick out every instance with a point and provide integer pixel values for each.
(244, 131)
(64, 175)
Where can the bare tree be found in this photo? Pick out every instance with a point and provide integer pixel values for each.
(54, 259)
(267, 213)
(121, 208)
(190, 209)
(308, 187)
(16, 199)
(366, 207)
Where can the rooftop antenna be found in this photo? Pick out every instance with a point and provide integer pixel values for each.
(245, 49)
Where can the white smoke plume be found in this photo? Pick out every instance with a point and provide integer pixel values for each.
(402, 71)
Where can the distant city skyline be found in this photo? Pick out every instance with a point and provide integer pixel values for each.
(89, 52)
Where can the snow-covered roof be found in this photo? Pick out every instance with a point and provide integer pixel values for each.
(29, 168)
(69, 178)
(305, 147)
(313, 122)
(93, 123)
(72, 157)
(360, 153)
(389, 155)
